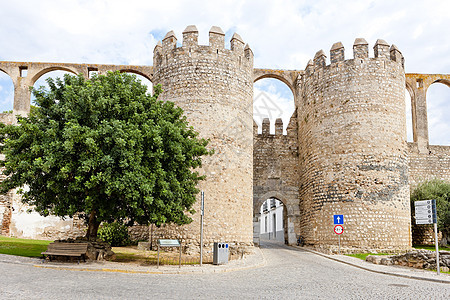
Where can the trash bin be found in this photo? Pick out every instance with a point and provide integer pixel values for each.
(220, 253)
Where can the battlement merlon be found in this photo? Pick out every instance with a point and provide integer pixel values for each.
(169, 41)
(216, 38)
(381, 49)
(337, 52)
(360, 48)
(190, 36)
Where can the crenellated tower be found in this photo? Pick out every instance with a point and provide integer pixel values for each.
(352, 148)
(214, 86)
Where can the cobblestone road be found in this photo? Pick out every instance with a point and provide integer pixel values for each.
(288, 274)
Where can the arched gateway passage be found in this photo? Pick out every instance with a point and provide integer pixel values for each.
(275, 166)
(270, 220)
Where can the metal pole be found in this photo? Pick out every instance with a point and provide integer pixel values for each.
(339, 244)
(151, 238)
(437, 248)
(179, 261)
(201, 226)
(157, 266)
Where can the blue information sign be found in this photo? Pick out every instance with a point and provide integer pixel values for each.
(338, 219)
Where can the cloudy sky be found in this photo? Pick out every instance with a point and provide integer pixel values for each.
(282, 35)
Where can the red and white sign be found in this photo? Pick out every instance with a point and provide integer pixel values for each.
(338, 229)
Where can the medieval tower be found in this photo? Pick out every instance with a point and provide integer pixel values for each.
(352, 148)
(214, 87)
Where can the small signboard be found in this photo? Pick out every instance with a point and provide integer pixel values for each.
(338, 219)
(425, 212)
(169, 243)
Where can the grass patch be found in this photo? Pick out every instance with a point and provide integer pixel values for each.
(22, 247)
(431, 247)
(364, 255)
(131, 254)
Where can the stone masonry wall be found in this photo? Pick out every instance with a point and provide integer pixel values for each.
(422, 167)
(425, 166)
(275, 173)
(352, 151)
(214, 87)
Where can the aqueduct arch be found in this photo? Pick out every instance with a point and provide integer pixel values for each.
(25, 74)
(289, 77)
(417, 85)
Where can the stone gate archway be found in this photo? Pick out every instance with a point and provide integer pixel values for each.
(288, 216)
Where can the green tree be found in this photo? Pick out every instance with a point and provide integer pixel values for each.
(105, 148)
(439, 190)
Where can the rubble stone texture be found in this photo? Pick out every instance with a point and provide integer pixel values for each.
(420, 259)
(214, 87)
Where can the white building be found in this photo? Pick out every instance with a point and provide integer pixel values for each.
(271, 221)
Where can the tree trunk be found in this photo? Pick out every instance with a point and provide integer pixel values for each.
(445, 239)
(92, 226)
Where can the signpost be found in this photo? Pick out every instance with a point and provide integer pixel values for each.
(425, 212)
(338, 221)
(202, 213)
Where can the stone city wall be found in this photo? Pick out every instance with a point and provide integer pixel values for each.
(349, 135)
(435, 163)
(275, 173)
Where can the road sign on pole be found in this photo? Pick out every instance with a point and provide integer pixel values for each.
(338, 229)
(338, 219)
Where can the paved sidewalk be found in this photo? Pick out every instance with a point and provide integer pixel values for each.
(251, 261)
(399, 271)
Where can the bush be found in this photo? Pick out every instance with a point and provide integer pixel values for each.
(115, 234)
(439, 190)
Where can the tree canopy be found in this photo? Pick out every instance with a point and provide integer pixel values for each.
(440, 190)
(105, 148)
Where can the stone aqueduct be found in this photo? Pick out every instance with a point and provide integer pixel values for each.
(277, 159)
(417, 85)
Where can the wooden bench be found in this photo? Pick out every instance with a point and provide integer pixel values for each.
(66, 249)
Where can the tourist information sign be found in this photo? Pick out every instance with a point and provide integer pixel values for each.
(169, 243)
(425, 212)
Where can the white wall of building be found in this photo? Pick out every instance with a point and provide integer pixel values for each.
(26, 223)
(271, 220)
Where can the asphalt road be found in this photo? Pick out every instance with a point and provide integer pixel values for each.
(289, 274)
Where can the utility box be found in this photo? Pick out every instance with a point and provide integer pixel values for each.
(220, 253)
